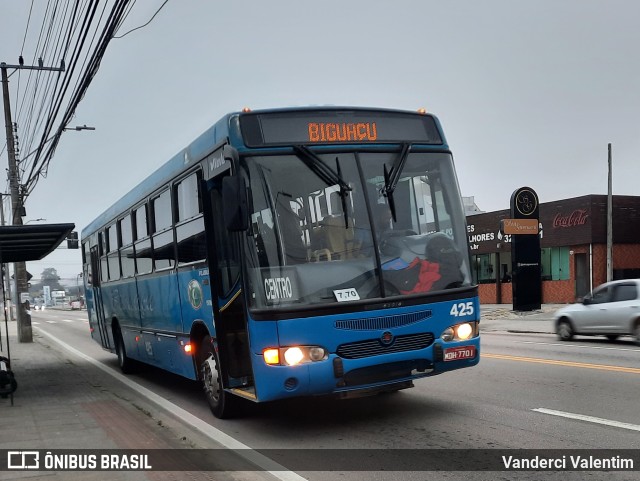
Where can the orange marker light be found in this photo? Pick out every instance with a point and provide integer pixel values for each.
(422, 110)
(137, 338)
(246, 109)
(188, 348)
(271, 356)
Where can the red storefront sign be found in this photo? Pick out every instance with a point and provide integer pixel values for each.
(576, 218)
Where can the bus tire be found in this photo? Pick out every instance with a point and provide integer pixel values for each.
(127, 365)
(221, 403)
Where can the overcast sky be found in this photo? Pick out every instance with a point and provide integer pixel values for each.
(528, 93)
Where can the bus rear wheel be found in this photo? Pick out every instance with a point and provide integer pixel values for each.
(127, 365)
(221, 403)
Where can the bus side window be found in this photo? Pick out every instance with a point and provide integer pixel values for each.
(104, 264)
(86, 261)
(142, 242)
(190, 237)
(163, 245)
(127, 260)
(113, 256)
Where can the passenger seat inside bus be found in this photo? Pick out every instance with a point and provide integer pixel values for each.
(335, 238)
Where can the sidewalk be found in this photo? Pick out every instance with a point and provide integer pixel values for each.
(502, 317)
(64, 402)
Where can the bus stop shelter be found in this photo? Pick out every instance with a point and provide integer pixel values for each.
(22, 243)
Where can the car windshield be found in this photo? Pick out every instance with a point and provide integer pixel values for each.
(314, 241)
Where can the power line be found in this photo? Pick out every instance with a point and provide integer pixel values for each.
(142, 26)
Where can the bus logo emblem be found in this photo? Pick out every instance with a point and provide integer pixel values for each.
(386, 339)
(195, 294)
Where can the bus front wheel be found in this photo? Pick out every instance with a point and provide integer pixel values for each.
(220, 401)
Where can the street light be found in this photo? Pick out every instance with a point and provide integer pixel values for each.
(80, 127)
(57, 134)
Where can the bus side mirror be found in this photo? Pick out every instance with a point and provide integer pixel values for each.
(234, 204)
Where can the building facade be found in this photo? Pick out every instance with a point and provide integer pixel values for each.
(573, 244)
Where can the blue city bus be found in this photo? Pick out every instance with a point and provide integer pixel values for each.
(291, 252)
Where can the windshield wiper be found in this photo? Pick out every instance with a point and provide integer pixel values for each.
(392, 177)
(327, 174)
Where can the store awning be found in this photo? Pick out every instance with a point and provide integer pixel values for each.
(21, 243)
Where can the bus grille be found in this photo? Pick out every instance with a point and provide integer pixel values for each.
(373, 347)
(385, 322)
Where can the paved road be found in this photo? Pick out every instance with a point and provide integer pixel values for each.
(529, 391)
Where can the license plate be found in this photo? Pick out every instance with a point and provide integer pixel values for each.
(460, 352)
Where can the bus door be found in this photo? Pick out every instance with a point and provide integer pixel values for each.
(229, 316)
(97, 298)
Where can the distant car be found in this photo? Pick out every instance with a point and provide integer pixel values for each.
(612, 310)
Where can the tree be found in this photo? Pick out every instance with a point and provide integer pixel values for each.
(49, 277)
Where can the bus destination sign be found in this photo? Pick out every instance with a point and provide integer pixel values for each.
(343, 132)
(337, 127)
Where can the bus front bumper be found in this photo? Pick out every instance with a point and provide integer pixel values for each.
(358, 377)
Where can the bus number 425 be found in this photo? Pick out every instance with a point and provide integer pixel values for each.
(462, 309)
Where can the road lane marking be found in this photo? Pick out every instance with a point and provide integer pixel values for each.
(51, 322)
(267, 464)
(591, 419)
(577, 346)
(66, 320)
(584, 365)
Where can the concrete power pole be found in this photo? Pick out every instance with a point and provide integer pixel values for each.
(610, 223)
(25, 333)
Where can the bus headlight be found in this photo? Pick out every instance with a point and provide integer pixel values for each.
(294, 355)
(464, 331)
(459, 332)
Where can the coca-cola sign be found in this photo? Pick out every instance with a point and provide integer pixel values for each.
(577, 217)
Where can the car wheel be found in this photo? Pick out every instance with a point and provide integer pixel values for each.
(636, 333)
(221, 403)
(564, 330)
(612, 337)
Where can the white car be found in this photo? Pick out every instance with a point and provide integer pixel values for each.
(612, 309)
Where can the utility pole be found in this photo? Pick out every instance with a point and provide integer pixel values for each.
(610, 223)
(5, 267)
(25, 333)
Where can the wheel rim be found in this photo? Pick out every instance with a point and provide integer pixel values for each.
(210, 380)
(564, 330)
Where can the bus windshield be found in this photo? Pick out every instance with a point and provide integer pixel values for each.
(319, 237)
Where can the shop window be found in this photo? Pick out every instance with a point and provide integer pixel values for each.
(483, 268)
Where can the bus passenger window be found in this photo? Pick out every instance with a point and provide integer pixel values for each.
(144, 256)
(162, 211)
(187, 198)
(192, 246)
(126, 252)
(113, 257)
(140, 222)
(163, 252)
